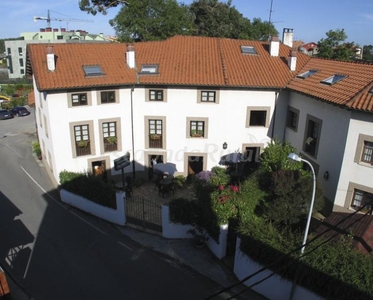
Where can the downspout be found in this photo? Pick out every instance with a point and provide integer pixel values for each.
(274, 115)
(133, 136)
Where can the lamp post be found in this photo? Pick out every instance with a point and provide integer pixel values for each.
(295, 157)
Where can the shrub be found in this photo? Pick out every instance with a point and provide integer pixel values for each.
(90, 187)
(180, 180)
(183, 211)
(36, 149)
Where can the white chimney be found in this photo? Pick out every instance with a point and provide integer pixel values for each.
(287, 37)
(292, 61)
(274, 47)
(51, 63)
(130, 56)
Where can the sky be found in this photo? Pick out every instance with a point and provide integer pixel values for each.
(310, 20)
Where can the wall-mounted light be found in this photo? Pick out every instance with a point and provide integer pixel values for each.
(326, 175)
(225, 145)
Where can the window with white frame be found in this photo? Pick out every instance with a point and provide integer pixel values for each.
(107, 97)
(82, 141)
(197, 128)
(367, 153)
(155, 95)
(109, 132)
(312, 135)
(208, 96)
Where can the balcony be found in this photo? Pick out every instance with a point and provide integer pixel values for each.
(110, 147)
(155, 141)
(83, 148)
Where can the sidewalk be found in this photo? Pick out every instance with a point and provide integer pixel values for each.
(201, 260)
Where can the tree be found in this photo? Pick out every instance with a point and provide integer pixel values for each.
(218, 19)
(149, 20)
(333, 47)
(95, 6)
(367, 52)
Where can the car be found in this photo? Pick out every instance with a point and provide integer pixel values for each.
(19, 111)
(5, 114)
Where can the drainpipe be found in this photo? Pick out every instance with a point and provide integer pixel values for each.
(133, 136)
(274, 115)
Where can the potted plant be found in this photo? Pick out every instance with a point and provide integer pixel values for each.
(200, 236)
(111, 139)
(82, 144)
(155, 136)
(196, 133)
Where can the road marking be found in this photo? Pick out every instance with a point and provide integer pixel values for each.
(63, 206)
(125, 246)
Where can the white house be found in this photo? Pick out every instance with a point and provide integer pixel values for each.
(182, 99)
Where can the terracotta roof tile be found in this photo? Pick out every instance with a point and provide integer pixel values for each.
(196, 61)
(346, 92)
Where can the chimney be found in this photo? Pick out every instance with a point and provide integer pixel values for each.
(130, 56)
(51, 64)
(292, 61)
(274, 47)
(287, 37)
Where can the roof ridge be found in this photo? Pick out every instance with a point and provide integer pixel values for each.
(223, 65)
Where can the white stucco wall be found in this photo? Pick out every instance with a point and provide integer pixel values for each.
(352, 172)
(334, 130)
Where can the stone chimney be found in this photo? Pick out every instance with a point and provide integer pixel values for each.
(130, 56)
(287, 37)
(51, 63)
(274, 47)
(292, 61)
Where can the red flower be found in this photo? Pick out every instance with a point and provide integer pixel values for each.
(221, 187)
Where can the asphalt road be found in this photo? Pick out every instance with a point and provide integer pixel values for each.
(56, 252)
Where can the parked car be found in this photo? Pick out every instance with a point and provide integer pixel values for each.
(19, 111)
(5, 114)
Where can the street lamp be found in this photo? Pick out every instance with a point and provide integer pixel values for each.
(295, 157)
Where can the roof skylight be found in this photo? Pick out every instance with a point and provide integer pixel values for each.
(333, 79)
(92, 70)
(307, 74)
(149, 69)
(248, 50)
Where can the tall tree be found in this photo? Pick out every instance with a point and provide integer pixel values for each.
(99, 6)
(367, 52)
(334, 47)
(148, 20)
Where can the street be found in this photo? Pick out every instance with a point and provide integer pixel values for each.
(56, 252)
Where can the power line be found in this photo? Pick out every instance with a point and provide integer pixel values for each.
(288, 254)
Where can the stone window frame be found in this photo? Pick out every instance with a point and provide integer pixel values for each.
(118, 133)
(70, 103)
(197, 119)
(147, 131)
(352, 186)
(147, 94)
(359, 149)
(217, 96)
(91, 137)
(291, 112)
(306, 135)
(250, 109)
(116, 97)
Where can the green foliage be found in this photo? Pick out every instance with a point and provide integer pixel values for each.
(180, 180)
(36, 148)
(218, 177)
(333, 47)
(89, 186)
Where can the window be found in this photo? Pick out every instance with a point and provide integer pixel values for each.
(367, 155)
(248, 50)
(109, 130)
(333, 79)
(258, 117)
(208, 96)
(108, 97)
(22, 71)
(307, 74)
(155, 95)
(292, 118)
(155, 127)
(361, 199)
(20, 51)
(149, 69)
(197, 128)
(79, 99)
(9, 51)
(92, 70)
(82, 142)
(312, 135)
(21, 62)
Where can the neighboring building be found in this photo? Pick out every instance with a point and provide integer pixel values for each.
(15, 49)
(153, 96)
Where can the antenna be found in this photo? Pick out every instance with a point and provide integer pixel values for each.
(49, 19)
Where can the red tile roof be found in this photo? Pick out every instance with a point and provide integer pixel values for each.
(352, 92)
(359, 226)
(196, 61)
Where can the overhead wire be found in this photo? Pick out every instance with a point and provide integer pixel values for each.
(288, 254)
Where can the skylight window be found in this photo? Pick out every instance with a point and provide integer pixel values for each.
(92, 70)
(333, 79)
(248, 50)
(149, 69)
(371, 91)
(307, 74)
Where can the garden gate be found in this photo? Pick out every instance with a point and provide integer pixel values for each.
(145, 213)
